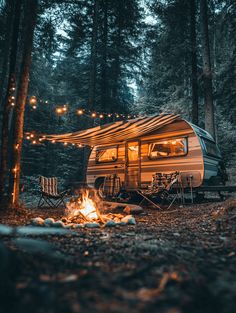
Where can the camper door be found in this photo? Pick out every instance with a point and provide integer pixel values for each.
(132, 168)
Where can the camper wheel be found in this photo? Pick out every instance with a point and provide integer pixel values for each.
(99, 186)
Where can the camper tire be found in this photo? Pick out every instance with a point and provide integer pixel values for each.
(99, 187)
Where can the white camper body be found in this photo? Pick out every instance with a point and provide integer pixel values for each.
(136, 149)
(177, 146)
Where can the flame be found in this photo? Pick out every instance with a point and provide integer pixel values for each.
(88, 207)
(84, 206)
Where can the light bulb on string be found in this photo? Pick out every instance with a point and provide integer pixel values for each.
(59, 111)
(33, 101)
(80, 112)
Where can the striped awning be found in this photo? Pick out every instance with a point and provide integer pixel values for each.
(115, 132)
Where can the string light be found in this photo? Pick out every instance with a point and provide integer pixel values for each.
(11, 92)
(33, 101)
(80, 112)
(37, 139)
(61, 110)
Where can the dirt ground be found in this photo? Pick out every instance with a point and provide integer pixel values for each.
(182, 260)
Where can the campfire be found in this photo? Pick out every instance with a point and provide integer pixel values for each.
(87, 210)
(84, 207)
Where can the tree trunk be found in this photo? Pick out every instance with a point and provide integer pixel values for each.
(116, 71)
(104, 82)
(207, 73)
(194, 63)
(93, 62)
(8, 33)
(7, 105)
(18, 120)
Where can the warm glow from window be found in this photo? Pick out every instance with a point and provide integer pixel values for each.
(133, 152)
(168, 148)
(106, 155)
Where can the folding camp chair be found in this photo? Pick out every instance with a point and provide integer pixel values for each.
(162, 189)
(111, 186)
(49, 193)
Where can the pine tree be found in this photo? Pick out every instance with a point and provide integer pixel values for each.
(207, 72)
(18, 121)
(194, 78)
(8, 101)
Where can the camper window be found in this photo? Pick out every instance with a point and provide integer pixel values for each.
(104, 155)
(211, 148)
(168, 148)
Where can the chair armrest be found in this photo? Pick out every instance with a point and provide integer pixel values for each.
(64, 192)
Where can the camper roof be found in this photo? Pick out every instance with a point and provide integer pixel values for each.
(201, 132)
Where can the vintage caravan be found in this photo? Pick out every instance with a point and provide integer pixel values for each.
(138, 148)
(175, 146)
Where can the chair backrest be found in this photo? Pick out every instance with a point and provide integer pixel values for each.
(164, 181)
(48, 185)
(111, 186)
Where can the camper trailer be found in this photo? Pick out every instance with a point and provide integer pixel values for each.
(175, 146)
(136, 149)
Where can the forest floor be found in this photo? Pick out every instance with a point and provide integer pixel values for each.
(182, 260)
